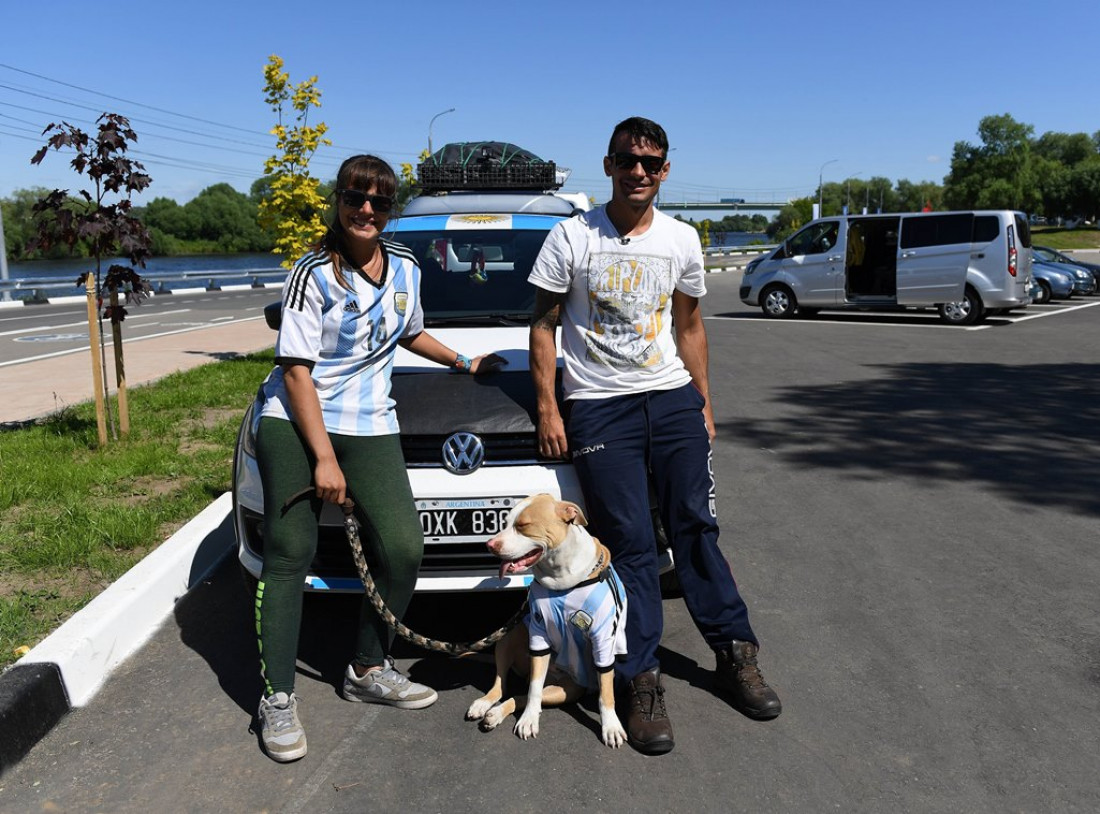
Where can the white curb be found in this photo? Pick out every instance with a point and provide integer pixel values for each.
(103, 634)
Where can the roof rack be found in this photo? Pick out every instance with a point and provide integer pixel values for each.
(485, 165)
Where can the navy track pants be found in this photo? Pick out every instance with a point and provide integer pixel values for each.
(616, 443)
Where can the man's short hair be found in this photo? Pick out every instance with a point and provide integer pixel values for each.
(640, 129)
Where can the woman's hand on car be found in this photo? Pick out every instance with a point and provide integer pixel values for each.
(487, 363)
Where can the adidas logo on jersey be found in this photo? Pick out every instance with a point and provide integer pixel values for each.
(352, 306)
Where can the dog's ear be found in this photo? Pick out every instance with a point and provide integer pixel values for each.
(571, 513)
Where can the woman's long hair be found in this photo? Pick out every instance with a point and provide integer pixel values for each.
(359, 172)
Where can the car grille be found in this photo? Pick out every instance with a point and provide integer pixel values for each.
(500, 449)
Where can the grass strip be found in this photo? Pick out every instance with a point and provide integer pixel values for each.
(74, 517)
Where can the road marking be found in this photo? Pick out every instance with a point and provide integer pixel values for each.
(85, 322)
(1058, 309)
(868, 320)
(129, 340)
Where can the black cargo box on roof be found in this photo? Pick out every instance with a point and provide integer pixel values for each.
(485, 165)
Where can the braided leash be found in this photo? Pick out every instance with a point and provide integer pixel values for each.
(351, 528)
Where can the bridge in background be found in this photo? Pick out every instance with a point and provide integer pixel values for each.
(748, 206)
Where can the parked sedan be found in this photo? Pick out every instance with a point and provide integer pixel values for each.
(1056, 284)
(1048, 255)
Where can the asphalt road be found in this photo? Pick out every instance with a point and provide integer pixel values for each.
(911, 510)
(43, 331)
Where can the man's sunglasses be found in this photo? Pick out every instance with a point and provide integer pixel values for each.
(355, 199)
(652, 164)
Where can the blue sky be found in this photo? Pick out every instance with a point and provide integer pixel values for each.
(755, 97)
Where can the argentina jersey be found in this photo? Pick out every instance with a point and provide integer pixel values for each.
(347, 338)
(584, 626)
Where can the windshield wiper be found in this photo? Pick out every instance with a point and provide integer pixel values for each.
(510, 318)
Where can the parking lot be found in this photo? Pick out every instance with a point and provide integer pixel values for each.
(911, 510)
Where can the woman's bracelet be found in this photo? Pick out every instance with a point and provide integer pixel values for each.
(462, 363)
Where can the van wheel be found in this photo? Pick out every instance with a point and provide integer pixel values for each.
(778, 302)
(1044, 292)
(967, 311)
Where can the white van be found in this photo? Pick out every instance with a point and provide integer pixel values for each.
(965, 264)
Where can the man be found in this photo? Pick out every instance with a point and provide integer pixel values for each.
(622, 280)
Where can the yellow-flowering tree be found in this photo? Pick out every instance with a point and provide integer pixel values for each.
(293, 207)
(407, 186)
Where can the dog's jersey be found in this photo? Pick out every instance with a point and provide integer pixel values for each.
(584, 626)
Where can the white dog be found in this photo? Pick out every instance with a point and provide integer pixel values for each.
(577, 613)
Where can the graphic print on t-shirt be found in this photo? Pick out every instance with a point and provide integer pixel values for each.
(627, 297)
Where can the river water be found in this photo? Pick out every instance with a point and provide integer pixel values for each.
(224, 264)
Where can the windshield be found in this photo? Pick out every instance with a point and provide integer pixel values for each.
(474, 273)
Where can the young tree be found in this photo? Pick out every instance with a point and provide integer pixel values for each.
(293, 206)
(103, 230)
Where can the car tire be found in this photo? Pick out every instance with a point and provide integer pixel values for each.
(1046, 293)
(778, 302)
(967, 311)
(250, 583)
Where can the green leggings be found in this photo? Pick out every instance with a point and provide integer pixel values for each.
(393, 542)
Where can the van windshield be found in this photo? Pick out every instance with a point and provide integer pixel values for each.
(469, 273)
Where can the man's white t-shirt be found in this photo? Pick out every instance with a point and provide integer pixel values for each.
(617, 325)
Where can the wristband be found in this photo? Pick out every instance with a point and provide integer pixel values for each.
(462, 363)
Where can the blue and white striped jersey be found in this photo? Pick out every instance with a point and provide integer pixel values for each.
(347, 338)
(583, 626)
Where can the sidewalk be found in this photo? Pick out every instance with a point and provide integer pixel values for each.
(36, 389)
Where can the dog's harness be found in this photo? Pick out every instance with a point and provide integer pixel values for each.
(351, 530)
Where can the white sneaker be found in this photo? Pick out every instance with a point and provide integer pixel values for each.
(387, 686)
(280, 730)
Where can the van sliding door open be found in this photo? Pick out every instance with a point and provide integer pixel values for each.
(933, 255)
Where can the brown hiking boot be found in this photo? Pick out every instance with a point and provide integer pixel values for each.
(647, 725)
(738, 674)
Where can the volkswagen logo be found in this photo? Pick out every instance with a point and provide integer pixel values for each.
(463, 452)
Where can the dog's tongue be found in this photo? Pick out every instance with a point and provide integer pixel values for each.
(519, 564)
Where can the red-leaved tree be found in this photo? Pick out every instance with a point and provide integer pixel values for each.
(101, 223)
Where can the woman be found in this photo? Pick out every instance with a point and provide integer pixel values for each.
(326, 420)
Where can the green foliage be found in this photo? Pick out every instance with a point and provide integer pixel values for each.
(74, 517)
(997, 174)
(293, 206)
(218, 219)
(791, 218)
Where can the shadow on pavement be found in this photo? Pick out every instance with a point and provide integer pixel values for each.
(1025, 430)
(215, 620)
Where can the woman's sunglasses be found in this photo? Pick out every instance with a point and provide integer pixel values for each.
(355, 199)
(652, 164)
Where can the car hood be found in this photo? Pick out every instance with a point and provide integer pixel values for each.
(509, 342)
(434, 401)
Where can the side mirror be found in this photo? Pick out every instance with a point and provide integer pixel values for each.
(273, 315)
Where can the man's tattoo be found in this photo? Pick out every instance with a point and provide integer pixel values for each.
(547, 310)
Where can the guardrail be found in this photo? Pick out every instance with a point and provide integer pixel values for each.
(718, 251)
(36, 289)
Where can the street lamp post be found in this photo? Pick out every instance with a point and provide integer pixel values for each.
(436, 116)
(820, 188)
(848, 181)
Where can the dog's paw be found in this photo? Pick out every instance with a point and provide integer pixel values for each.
(493, 718)
(528, 725)
(613, 733)
(478, 709)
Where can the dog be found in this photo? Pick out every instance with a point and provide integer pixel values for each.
(577, 613)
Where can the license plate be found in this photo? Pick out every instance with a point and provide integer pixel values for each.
(458, 521)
